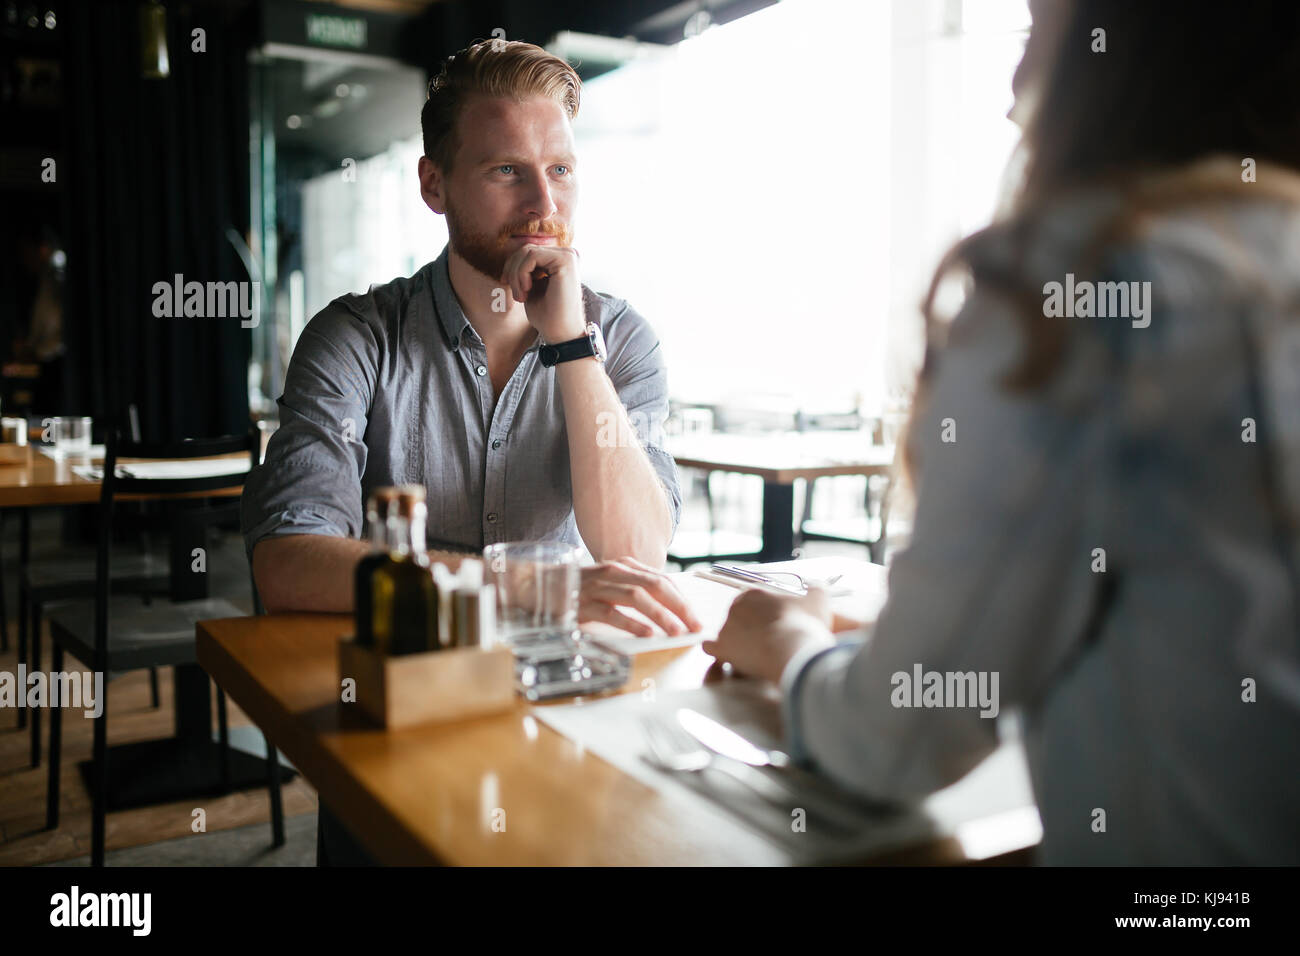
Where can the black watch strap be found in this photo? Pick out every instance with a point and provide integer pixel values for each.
(581, 347)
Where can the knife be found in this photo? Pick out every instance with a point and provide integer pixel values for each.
(727, 743)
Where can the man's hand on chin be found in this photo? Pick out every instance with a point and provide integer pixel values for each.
(629, 583)
(553, 302)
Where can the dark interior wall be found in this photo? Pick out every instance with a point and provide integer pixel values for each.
(31, 205)
(156, 172)
(450, 25)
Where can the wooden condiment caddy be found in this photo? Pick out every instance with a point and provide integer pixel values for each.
(444, 685)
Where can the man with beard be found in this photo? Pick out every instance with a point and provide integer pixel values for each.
(492, 376)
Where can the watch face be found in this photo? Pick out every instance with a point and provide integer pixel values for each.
(585, 346)
(597, 340)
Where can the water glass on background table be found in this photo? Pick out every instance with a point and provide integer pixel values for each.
(536, 585)
(72, 435)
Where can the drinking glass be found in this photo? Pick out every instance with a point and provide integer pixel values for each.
(536, 585)
(72, 435)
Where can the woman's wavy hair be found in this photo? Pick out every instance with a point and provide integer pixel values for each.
(1176, 86)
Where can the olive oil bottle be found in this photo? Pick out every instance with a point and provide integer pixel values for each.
(379, 507)
(405, 600)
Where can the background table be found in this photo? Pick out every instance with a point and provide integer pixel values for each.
(148, 771)
(780, 459)
(43, 480)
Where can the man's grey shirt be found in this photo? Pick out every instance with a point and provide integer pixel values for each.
(391, 387)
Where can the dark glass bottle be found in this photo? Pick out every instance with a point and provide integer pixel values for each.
(379, 508)
(405, 608)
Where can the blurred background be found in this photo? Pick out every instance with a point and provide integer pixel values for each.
(769, 183)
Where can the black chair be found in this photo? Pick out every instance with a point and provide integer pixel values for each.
(872, 530)
(115, 635)
(717, 544)
(71, 576)
(689, 546)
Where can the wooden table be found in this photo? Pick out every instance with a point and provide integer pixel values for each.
(41, 481)
(781, 459)
(426, 795)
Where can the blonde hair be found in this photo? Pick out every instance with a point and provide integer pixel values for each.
(492, 68)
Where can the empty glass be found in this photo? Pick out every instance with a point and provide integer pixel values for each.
(536, 585)
(72, 435)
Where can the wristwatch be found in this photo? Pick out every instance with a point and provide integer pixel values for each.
(585, 346)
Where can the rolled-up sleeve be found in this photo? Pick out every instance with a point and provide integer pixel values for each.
(996, 580)
(635, 365)
(310, 482)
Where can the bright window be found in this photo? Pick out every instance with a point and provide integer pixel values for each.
(774, 194)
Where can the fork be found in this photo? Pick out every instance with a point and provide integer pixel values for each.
(805, 584)
(673, 750)
(765, 577)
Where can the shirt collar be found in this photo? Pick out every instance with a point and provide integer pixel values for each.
(450, 314)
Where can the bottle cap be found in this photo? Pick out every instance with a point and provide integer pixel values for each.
(408, 497)
(380, 499)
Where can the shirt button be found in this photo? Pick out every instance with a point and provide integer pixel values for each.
(492, 516)
(482, 369)
(455, 343)
(496, 443)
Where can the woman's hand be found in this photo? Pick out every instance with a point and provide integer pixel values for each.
(764, 631)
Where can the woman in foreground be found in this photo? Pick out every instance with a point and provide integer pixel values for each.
(1110, 527)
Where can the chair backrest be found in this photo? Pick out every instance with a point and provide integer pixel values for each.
(741, 418)
(827, 421)
(117, 451)
(157, 482)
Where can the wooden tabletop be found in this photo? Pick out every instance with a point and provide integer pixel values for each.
(37, 479)
(427, 794)
(782, 457)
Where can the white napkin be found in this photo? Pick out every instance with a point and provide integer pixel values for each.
(199, 468)
(990, 811)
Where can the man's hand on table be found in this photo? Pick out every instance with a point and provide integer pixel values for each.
(629, 583)
(764, 631)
